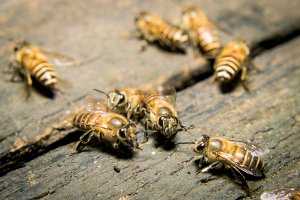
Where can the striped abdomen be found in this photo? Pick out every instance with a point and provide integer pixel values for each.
(244, 158)
(208, 41)
(44, 72)
(226, 68)
(86, 121)
(173, 37)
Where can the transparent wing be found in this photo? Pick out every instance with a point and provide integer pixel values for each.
(97, 107)
(167, 92)
(285, 193)
(229, 159)
(60, 60)
(255, 150)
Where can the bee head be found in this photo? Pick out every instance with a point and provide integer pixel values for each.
(201, 143)
(168, 125)
(117, 99)
(127, 135)
(140, 15)
(189, 10)
(19, 45)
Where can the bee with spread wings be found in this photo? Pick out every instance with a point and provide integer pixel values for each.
(159, 113)
(107, 126)
(241, 157)
(33, 62)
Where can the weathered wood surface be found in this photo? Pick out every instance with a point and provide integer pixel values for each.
(93, 33)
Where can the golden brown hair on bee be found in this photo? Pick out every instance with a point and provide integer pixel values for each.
(152, 28)
(126, 101)
(109, 127)
(281, 194)
(241, 157)
(32, 62)
(159, 112)
(232, 60)
(202, 31)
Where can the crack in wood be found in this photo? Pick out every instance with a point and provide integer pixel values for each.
(201, 69)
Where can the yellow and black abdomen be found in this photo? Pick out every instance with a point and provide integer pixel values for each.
(45, 73)
(86, 121)
(172, 37)
(208, 41)
(226, 68)
(244, 159)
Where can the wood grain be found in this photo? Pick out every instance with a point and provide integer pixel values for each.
(93, 33)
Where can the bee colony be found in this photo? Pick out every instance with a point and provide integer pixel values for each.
(149, 100)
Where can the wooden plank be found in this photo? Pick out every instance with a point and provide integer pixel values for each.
(92, 33)
(269, 117)
(98, 30)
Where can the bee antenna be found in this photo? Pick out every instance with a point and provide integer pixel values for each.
(150, 131)
(184, 142)
(183, 127)
(191, 135)
(102, 92)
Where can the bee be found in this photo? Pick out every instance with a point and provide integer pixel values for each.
(202, 32)
(109, 127)
(32, 62)
(241, 157)
(233, 59)
(281, 194)
(126, 101)
(152, 28)
(160, 114)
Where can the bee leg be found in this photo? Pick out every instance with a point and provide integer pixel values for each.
(185, 127)
(15, 74)
(29, 83)
(244, 78)
(194, 43)
(116, 146)
(254, 66)
(209, 167)
(238, 175)
(129, 111)
(144, 44)
(147, 127)
(203, 161)
(14, 69)
(84, 139)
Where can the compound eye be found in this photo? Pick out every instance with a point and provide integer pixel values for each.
(121, 98)
(122, 133)
(200, 147)
(17, 48)
(161, 121)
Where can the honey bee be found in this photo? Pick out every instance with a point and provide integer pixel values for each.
(281, 194)
(109, 127)
(152, 28)
(241, 157)
(233, 59)
(32, 62)
(202, 32)
(160, 114)
(126, 101)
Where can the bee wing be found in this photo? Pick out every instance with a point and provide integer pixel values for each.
(60, 60)
(229, 159)
(285, 193)
(255, 150)
(97, 107)
(167, 92)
